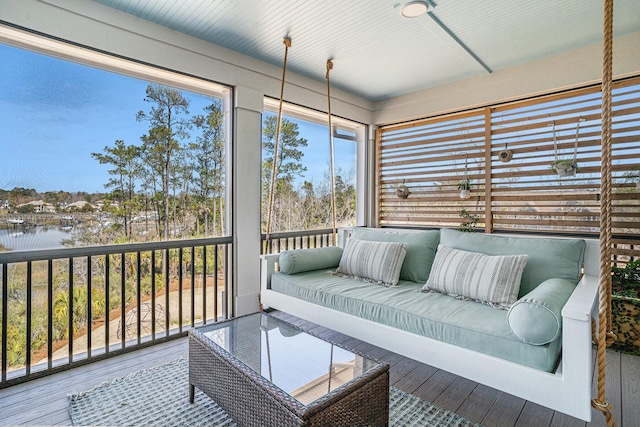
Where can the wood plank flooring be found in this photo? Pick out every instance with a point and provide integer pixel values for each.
(44, 401)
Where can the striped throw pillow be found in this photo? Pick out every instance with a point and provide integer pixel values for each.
(377, 262)
(491, 279)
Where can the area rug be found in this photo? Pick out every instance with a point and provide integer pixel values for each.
(159, 397)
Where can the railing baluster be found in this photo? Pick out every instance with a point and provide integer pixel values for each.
(29, 313)
(138, 297)
(193, 286)
(153, 295)
(5, 317)
(227, 285)
(204, 285)
(70, 310)
(180, 289)
(165, 260)
(215, 284)
(89, 308)
(123, 297)
(50, 314)
(107, 302)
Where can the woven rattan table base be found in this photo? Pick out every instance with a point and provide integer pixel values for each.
(251, 400)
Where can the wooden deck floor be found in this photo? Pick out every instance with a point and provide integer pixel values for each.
(44, 401)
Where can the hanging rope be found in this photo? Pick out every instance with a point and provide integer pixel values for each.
(274, 169)
(466, 168)
(575, 144)
(555, 142)
(332, 161)
(605, 336)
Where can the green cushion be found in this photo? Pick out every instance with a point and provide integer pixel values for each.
(536, 318)
(378, 262)
(548, 258)
(463, 323)
(421, 248)
(300, 260)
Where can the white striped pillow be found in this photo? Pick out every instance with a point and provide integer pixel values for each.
(492, 280)
(377, 262)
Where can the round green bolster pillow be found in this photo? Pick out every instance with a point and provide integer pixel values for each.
(300, 260)
(536, 318)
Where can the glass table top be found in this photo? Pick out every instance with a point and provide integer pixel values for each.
(301, 365)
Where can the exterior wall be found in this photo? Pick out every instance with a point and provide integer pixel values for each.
(562, 71)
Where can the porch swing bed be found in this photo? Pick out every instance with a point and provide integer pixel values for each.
(540, 349)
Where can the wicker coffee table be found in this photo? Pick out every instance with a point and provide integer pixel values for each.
(266, 372)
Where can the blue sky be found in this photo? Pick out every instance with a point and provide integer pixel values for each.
(55, 113)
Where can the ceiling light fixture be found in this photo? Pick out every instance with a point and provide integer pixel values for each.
(413, 9)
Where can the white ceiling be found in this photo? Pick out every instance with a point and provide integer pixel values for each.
(378, 53)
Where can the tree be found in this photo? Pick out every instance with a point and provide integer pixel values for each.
(25, 209)
(180, 178)
(289, 164)
(207, 160)
(289, 150)
(170, 124)
(126, 171)
(19, 195)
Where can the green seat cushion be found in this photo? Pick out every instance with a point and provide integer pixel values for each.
(547, 258)
(420, 245)
(299, 260)
(536, 318)
(463, 323)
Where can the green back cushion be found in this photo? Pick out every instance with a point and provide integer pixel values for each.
(300, 260)
(420, 245)
(547, 257)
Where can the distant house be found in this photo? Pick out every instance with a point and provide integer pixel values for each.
(39, 206)
(79, 205)
(101, 204)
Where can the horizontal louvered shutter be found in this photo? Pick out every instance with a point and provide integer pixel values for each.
(523, 194)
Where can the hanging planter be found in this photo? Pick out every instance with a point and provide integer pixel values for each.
(566, 167)
(465, 189)
(465, 185)
(402, 191)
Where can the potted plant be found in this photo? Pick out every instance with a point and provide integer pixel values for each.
(465, 189)
(469, 221)
(565, 167)
(625, 306)
(633, 176)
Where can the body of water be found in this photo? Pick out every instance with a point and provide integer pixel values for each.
(22, 239)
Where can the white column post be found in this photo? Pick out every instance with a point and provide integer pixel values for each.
(247, 167)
